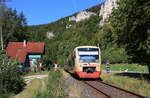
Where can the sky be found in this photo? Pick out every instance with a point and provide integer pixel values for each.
(47, 11)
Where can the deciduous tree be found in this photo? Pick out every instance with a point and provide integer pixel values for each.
(131, 23)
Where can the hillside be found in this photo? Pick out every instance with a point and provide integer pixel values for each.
(126, 31)
(66, 35)
(62, 23)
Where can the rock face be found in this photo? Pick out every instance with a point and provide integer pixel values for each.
(106, 9)
(50, 35)
(81, 16)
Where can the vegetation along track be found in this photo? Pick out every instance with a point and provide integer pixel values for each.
(106, 90)
(111, 91)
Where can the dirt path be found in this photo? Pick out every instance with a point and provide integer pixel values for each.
(43, 85)
(28, 80)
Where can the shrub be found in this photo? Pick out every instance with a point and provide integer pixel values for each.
(10, 78)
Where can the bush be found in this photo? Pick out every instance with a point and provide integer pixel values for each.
(10, 78)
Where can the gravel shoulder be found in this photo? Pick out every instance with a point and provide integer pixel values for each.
(77, 89)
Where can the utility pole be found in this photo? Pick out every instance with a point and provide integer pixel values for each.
(2, 46)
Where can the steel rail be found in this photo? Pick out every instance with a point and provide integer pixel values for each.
(99, 91)
(122, 89)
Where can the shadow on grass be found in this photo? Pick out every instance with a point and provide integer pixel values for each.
(140, 76)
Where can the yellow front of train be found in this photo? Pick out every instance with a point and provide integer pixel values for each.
(88, 62)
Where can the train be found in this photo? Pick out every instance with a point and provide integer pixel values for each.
(85, 62)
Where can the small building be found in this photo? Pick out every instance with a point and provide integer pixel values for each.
(29, 54)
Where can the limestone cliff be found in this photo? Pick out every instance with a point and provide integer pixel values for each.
(106, 9)
(81, 16)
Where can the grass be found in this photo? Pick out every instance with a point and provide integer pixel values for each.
(55, 86)
(31, 89)
(8, 95)
(139, 85)
(130, 67)
(52, 88)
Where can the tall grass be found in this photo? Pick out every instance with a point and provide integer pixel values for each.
(55, 86)
(137, 85)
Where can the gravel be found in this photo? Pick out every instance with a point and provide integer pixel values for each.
(77, 89)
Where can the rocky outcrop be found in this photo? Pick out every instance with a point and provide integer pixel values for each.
(50, 35)
(104, 13)
(81, 16)
(106, 9)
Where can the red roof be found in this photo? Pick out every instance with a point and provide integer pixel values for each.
(33, 47)
(19, 50)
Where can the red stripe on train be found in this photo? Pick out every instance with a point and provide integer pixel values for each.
(88, 75)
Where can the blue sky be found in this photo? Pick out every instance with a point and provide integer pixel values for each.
(46, 11)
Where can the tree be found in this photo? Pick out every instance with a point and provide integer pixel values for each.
(21, 27)
(14, 26)
(131, 24)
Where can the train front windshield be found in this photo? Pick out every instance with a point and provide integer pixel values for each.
(88, 55)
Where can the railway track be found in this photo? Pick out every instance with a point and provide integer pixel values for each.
(111, 91)
(104, 95)
(108, 91)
